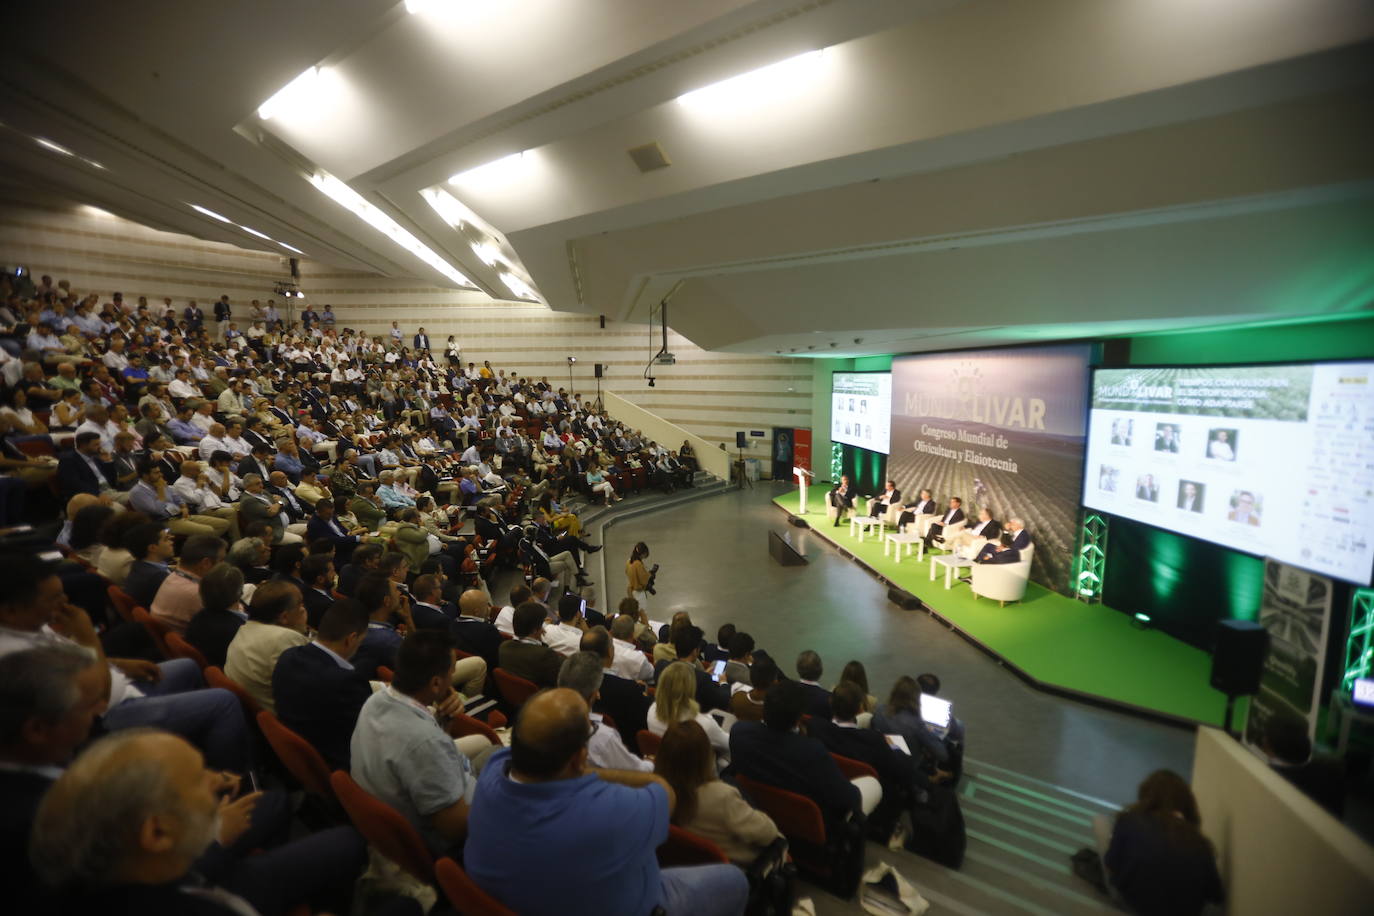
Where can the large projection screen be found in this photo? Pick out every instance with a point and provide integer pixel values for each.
(1274, 460)
(1002, 429)
(861, 409)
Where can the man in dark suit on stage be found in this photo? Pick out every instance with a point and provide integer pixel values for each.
(1018, 540)
(953, 516)
(318, 691)
(842, 498)
(891, 496)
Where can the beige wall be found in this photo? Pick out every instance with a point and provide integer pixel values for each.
(709, 394)
(1279, 851)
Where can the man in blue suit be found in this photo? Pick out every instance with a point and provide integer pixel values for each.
(1019, 539)
(317, 690)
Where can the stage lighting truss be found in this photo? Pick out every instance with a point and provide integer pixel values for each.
(1359, 646)
(1090, 561)
(836, 462)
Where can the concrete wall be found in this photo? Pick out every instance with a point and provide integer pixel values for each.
(1279, 851)
(710, 457)
(709, 394)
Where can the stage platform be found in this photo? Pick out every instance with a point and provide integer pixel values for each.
(1089, 652)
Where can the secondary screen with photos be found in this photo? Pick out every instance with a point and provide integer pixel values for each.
(861, 409)
(1274, 460)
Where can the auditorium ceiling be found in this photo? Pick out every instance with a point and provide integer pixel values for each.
(875, 176)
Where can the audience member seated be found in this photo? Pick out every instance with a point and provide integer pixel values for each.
(623, 699)
(706, 805)
(772, 751)
(901, 715)
(1156, 859)
(747, 705)
(178, 598)
(855, 673)
(276, 622)
(385, 606)
(217, 622)
(505, 618)
(472, 633)
(318, 579)
(526, 655)
(674, 701)
(565, 636)
(429, 609)
(1289, 750)
(739, 652)
(400, 753)
(34, 612)
(584, 672)
(318, 692)
(365, 559)
(138, 824)
(538, 795)
(630, 662)
(152, 546)
(711, 693)
(809, 671)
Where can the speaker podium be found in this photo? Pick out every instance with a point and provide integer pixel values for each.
(803, 478)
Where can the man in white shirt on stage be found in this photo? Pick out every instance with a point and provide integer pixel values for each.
(891, 496)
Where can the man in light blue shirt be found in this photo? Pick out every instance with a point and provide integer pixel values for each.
(400, 751)
(391, 497)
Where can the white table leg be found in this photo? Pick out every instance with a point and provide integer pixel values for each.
(932, 571)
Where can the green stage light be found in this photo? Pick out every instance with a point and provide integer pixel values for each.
(1090, 562)
(1143, 618)
(836, 462)
(1359, 645)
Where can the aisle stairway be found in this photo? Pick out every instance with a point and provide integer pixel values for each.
(1021, 833)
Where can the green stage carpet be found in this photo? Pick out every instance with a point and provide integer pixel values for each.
(1056, 641)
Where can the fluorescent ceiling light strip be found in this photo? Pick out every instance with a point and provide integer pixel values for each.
(292, 94)
(290, 248)
(55, 147)
(252, 231)
(92, 163)
(488, 254)
(345, 196)
(452, 210)
(783, 77)
(495, 172)
(212, 214)
(517, 286)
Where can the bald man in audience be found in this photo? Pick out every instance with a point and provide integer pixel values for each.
(541, 794)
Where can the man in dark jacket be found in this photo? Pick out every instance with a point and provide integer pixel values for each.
(526, 655)
(83, 469)
(623, 700)
(317, 690)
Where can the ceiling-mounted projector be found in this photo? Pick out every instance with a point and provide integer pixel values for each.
(665, 359)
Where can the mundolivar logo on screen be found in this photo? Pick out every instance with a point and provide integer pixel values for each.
(963, 400)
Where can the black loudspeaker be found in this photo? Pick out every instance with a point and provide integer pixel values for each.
(598, 369)
(1238, 659)
(741, 441)
(782, 550)
(904, 600)
(295, 268)
(603, 322)
(796, 521)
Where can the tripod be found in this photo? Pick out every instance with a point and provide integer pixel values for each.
(741, 477)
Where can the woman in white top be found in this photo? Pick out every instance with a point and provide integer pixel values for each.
(674, 701)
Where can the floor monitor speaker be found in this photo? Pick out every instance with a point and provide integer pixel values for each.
(904, 600)
(781, 549)
(1238, 660)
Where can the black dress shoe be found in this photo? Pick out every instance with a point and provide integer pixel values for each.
(594, 549)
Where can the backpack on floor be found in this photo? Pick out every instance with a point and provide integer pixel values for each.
(937, 828)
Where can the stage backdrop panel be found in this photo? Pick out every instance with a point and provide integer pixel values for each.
(1002, 429)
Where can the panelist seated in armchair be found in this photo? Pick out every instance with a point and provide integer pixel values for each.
(1017, 539)
(879, 505)
(954, 515)
(924, 505)
(971, 541)
(841, 498)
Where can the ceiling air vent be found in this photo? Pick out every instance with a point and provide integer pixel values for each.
(650, 156)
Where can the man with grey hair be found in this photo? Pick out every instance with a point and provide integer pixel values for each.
(1017, 539)
(122, 829)
(49, 697)
(582, 672)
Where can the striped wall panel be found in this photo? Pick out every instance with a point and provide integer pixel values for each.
(711, 394)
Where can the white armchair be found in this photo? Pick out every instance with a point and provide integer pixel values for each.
(889, 517)
(831, 511)
(949, 532)
(1002, 582)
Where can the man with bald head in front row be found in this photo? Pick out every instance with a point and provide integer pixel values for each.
(541, 795)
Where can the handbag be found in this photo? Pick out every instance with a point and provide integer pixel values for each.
(937, 828)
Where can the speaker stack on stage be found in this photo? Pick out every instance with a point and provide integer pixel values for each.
(904, 600)
(1238, 661)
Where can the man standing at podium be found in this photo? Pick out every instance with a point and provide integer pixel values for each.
(842, 498)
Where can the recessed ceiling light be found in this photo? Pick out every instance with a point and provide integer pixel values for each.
(212, 214)
(497, 171)
(346, 197)
(252, 231)
(55, 147)
(785, 77)
(300, 93)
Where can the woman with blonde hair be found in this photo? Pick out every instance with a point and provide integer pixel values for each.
(707, 806)
(675, 701)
